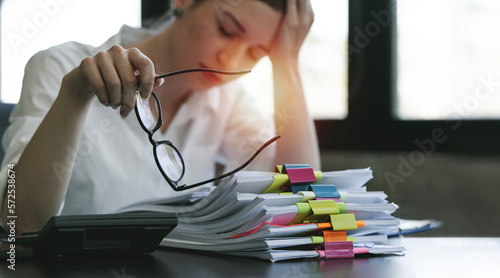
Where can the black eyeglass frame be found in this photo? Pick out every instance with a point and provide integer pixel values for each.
(174, 183)
(156, 144)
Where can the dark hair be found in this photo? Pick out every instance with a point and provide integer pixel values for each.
(158, 22)
(279, 5)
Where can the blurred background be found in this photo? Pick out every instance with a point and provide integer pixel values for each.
(410, 88)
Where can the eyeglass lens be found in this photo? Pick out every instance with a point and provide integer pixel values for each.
(170, 161)
(146, 116)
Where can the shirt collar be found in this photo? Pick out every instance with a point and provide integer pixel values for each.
(199, 104)
(129, 35)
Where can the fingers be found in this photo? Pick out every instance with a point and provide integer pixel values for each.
(111, 79)
(292, 11)
(128, 80)
(292, 33)
(307, 12)
(111, 75)
(300, 11)
(146, 68)
(159, 82)
(91, 73)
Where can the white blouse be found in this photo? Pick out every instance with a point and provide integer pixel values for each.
(114, 163)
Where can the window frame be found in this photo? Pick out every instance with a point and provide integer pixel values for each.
(371, 124)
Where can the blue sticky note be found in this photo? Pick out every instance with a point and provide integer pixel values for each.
(294, 166)
(300, 187)
(325, 191)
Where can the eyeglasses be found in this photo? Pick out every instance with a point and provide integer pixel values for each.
(168, 158)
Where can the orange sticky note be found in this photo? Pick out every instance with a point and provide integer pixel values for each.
(331, 236)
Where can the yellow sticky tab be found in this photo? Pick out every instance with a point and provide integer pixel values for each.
(345, 221)
(318, 175)
(278, 182)
(324, 207)
(304, 211)
(351, 238)
(317, 239)
(278, 169)
(286, 193)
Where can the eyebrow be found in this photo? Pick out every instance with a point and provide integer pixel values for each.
(238, 24)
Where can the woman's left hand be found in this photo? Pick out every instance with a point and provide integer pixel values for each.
(293, 30)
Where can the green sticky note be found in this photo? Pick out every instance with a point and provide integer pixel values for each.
(342, 222)
(304, 211)
(278, 182)
(318, 175)
(304, 208)
(279, 168)
(351, 238)
(324, 207)
(341, 206)
(317, 239)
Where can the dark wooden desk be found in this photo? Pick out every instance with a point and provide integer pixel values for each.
(425, 257)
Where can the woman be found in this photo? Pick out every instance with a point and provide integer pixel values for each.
(79, 157)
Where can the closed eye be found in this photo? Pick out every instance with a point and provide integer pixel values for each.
(230, 26)
(224, 32)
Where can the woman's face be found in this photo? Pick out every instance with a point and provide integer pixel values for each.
(218, 35)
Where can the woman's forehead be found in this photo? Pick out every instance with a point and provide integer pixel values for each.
(258, 19)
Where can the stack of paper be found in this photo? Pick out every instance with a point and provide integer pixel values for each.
(298, 213)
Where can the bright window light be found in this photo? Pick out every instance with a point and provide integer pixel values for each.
(29, 26)
(448, 60)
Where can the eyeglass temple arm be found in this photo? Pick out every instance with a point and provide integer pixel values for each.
(272, 140)
(200, 69)
(203, 69)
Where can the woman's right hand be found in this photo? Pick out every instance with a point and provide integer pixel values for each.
(113, 77)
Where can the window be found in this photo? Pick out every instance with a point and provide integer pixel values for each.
(379, 117)
(448, 60)
(29, 26)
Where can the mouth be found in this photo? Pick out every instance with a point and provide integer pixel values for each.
(210, 77)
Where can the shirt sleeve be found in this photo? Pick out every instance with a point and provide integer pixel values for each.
(247, 130)
(42, 79)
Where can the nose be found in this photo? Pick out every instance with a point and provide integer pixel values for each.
(231, 56)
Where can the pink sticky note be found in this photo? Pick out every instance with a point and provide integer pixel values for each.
(361, 250)
(339, 249)
(301, 175)
(337, 200)
(283, 219)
